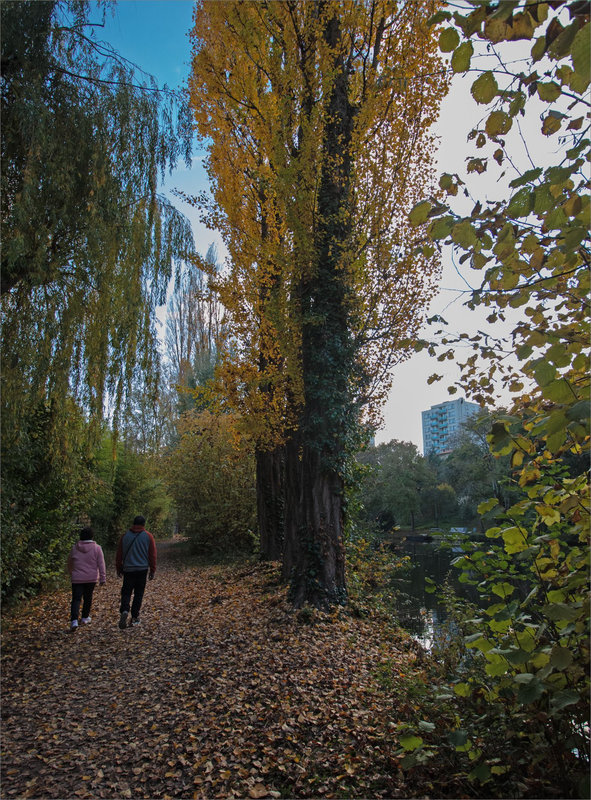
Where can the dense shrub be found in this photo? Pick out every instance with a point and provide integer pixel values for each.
(211, 475)
(128, 484)
(46, 484)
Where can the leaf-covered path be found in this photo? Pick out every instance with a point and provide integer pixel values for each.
(221, 692)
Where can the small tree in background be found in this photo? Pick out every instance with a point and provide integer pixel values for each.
(195, 329)
(394, 492)
(128, 483)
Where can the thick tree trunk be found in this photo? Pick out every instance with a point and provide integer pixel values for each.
(314, 557)
(270, 502)
(314, 560)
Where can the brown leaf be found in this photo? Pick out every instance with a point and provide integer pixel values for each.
(258, 790)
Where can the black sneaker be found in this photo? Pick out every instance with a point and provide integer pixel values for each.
(135, 621)
(123, 620)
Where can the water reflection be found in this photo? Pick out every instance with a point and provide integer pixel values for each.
(419, 611)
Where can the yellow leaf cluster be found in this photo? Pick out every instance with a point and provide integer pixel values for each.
(261, 77)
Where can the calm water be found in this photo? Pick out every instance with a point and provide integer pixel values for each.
(419, 611)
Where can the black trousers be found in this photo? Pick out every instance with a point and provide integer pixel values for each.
(133, 583)
(79, 591)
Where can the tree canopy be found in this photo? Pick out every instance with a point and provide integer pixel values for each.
(88, 241)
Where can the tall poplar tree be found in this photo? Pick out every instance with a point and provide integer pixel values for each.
(317, 118)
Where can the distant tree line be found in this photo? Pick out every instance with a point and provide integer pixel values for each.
(400, 488)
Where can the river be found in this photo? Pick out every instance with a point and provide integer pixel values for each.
(419, 611)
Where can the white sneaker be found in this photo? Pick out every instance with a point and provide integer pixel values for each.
(85, 620)
(73, 624)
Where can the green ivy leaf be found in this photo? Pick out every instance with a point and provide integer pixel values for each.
(530, 692)
(555, 442)
(419, 213)
(478, 641)
(527, 177)
(539, 48)
(543, 200)
(464, 234)
(498, 123)
(446, 182)
(524, 677)
(561, 45)
(581, 55)
(515, 542)
(441, 228)
(497, 667)
(544, 373)
(551, 124)
(564, 698)
(579, 411)
(499, 438)
(559, 391)
(503, 589)
(488, 505)
(410, 742)
(517, 656)
(440, 16)
(521, 204)
(561, 611)
(480, 773)
(549, 92)
(561, 657)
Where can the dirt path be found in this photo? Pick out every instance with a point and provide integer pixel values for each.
(220, 692)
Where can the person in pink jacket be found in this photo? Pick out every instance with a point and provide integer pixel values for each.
(86, 564)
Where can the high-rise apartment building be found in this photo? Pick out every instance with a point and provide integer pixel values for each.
(441, 423)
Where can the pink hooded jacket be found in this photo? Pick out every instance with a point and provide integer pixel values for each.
(86, 562)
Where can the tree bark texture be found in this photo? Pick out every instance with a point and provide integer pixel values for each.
(314, 556)
(270, 502)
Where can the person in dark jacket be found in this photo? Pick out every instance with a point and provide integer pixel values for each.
(136, 561)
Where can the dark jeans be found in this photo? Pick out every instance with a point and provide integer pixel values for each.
(133, 582)
(79, 591)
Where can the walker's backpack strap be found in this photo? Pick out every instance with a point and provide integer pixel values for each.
(130, 547)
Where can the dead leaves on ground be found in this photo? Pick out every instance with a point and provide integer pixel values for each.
(221, 692)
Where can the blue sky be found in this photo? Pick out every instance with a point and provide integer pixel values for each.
(154, 34)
